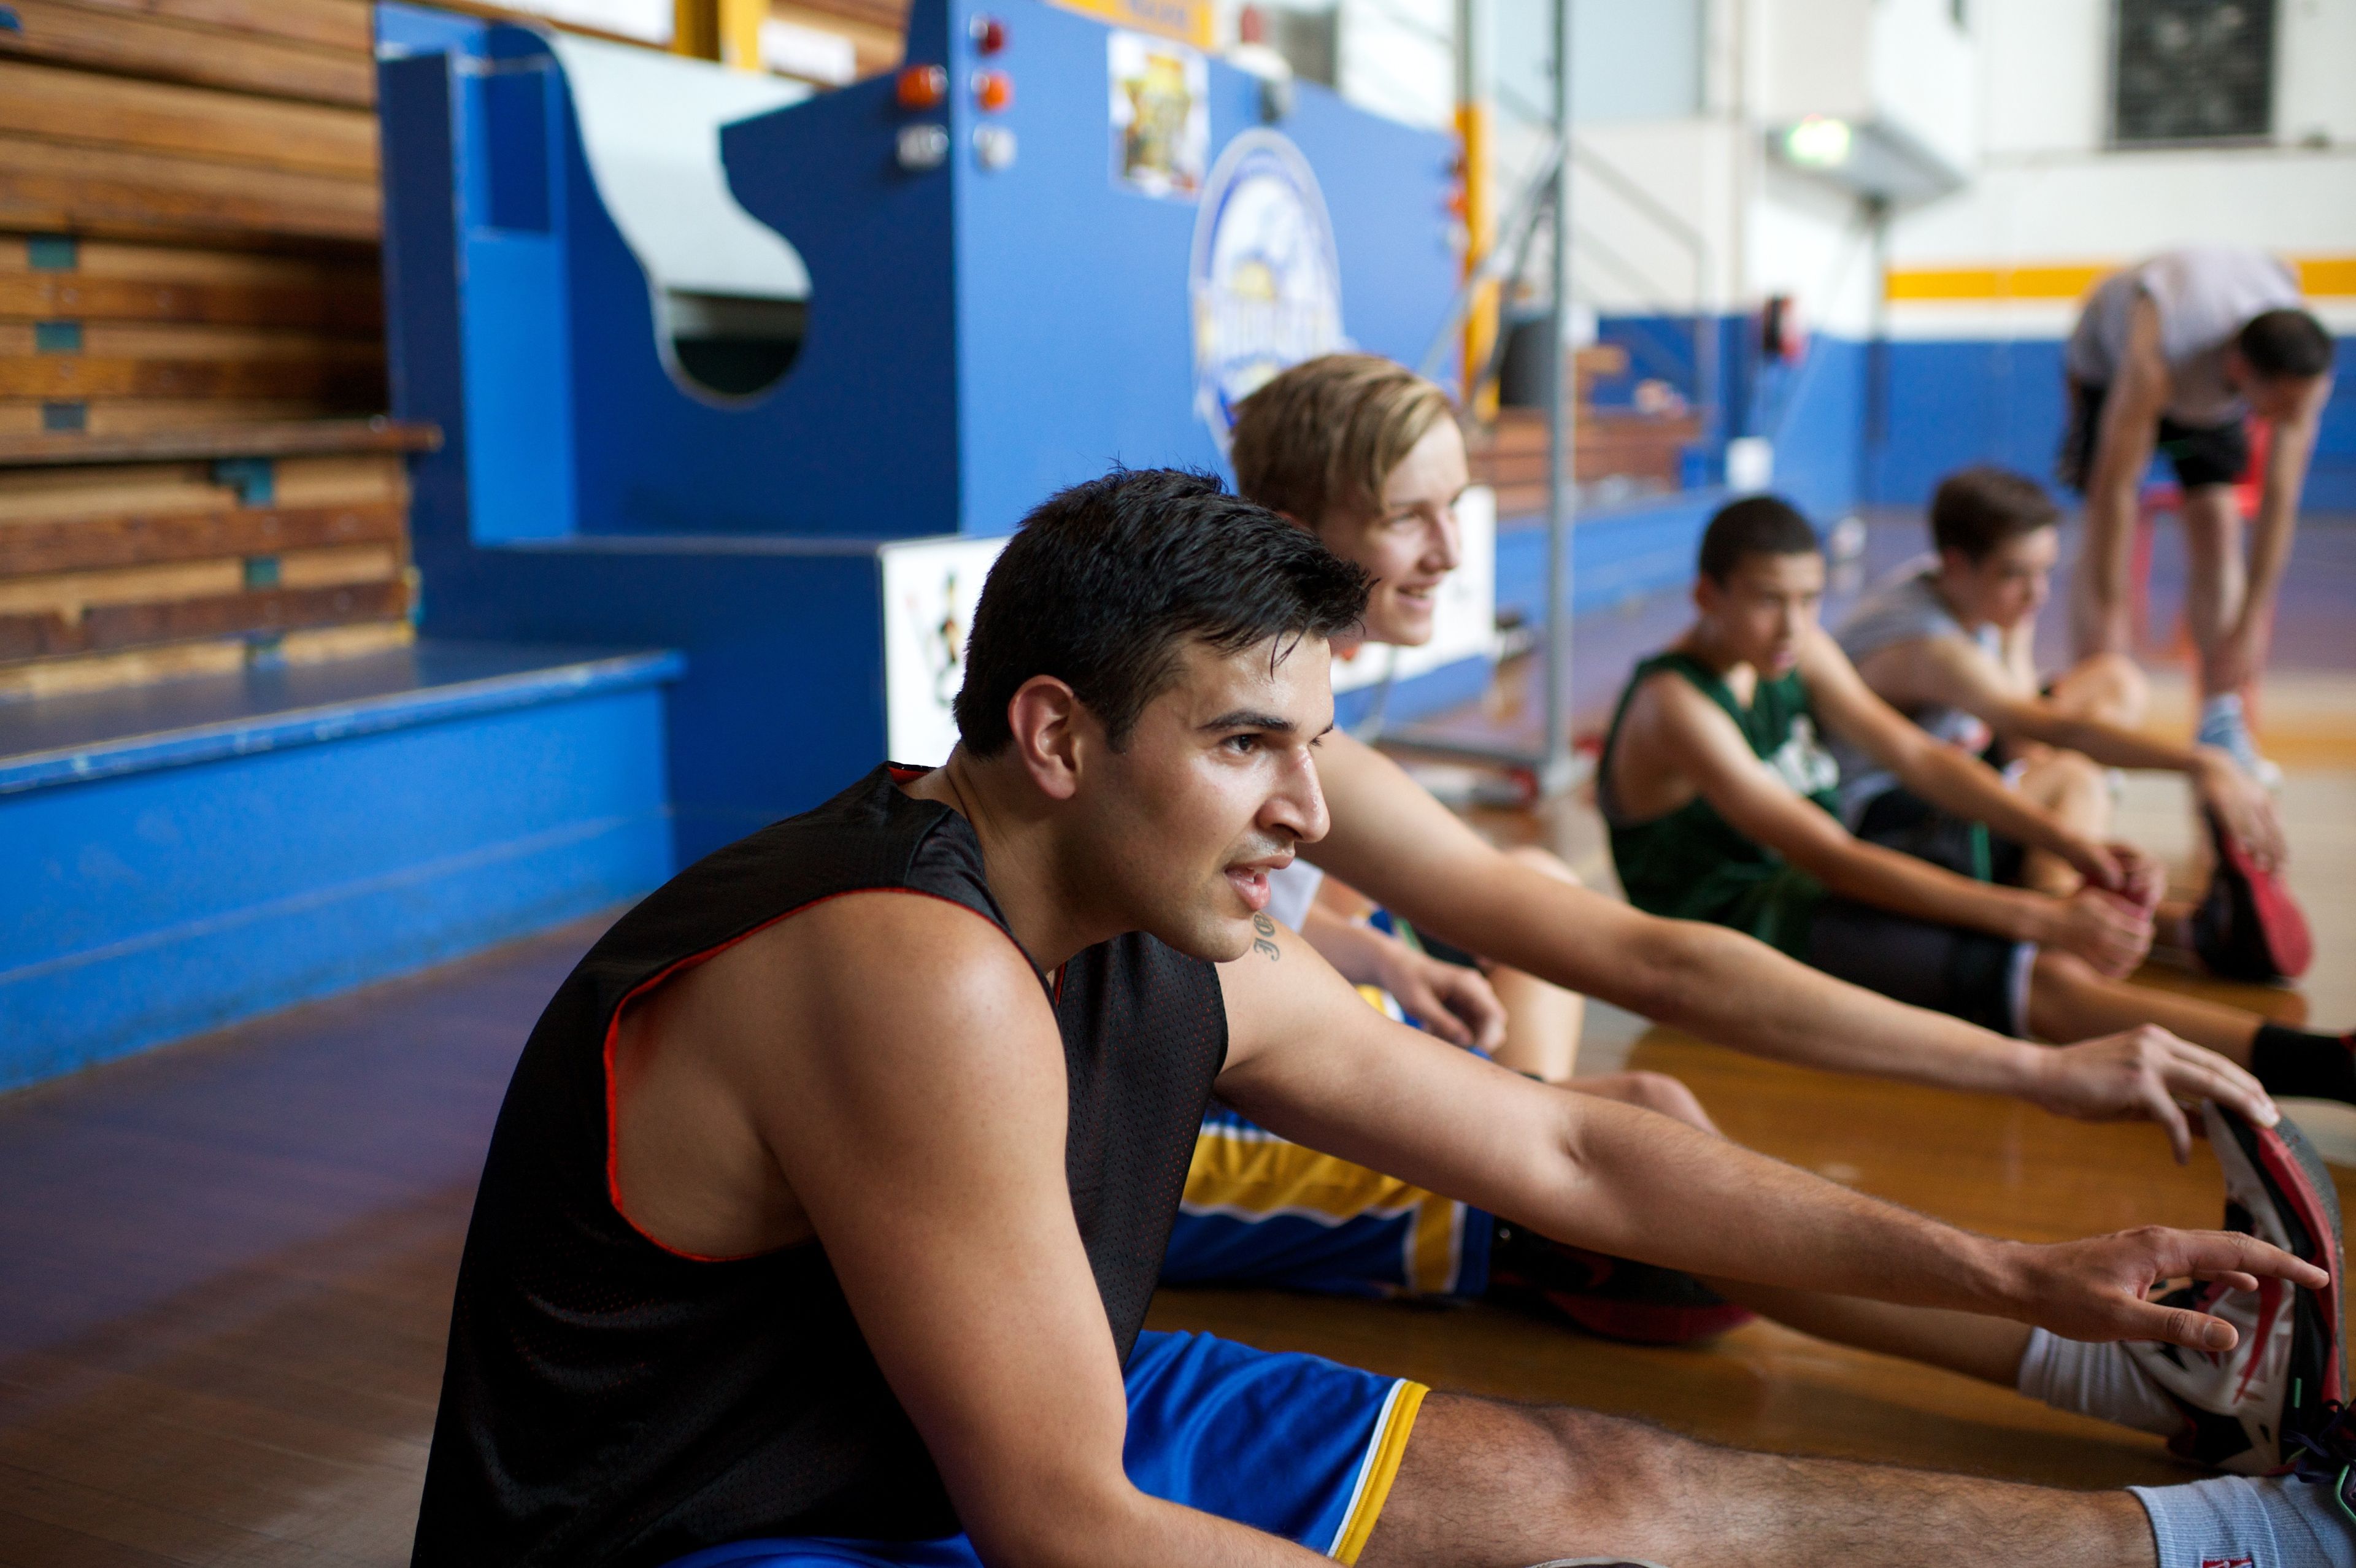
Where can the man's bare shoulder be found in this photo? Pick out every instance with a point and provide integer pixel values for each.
(881, 953)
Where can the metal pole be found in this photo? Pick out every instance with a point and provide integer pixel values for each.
(1556, 769)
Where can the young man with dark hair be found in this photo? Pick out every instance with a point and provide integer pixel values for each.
(1949, 642)
(2177, 353)
(821, 1219)
(1723, 806)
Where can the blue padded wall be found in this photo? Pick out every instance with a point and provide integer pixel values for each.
(167, 884)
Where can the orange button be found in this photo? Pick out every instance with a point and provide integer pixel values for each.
(923, 86)
(993, 91)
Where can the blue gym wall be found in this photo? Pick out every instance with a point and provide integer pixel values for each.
(1855, 422)
(1958, 402)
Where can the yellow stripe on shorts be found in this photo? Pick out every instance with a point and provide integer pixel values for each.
(1384, 1452)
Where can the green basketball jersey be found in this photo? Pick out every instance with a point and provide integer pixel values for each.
(1692, 864)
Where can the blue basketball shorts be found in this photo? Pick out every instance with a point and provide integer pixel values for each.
(1295, 1446)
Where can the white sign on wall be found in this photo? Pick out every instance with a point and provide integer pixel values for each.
(930, 587)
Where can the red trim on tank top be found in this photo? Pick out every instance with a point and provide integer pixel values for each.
(613, 1035)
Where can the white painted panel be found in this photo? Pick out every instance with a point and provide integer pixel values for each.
(2045, 68)
(1924, 77)
(1818, 58)
(2315, 95)
(650, 127)
(1397, 57)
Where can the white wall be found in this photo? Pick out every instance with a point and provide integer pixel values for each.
(2047, 192)
(1397, 57)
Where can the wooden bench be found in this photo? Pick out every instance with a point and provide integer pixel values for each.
(132, 558)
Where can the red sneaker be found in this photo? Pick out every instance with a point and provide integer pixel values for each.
(1616, 1298)
(2248, 927)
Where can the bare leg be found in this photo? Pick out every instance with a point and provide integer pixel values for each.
(2214, 575)
(2073, 789)
(2066, 1000)
(1484, 1484)
(1542, 1020)
(2108, 687)
(2099, 618)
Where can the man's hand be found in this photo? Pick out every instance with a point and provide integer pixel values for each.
(2131, 872)
(2143, 881)
(2096, 1289)
(1448, 999)
(2106, 930)
(2146, 1073)
(2241, 805)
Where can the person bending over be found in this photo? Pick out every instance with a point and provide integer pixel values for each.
(821, 1219)
(1948, 641)
(1722, 805)
(2177, 353)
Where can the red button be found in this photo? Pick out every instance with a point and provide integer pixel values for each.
(923, 86)
(989, 35)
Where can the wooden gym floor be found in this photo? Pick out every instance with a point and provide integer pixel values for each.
(225, 1268)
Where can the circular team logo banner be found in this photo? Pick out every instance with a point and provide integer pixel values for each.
(1266, 287)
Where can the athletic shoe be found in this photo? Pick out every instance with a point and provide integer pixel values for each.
(1617, 1298)
(2247, 926)
(2244, 1408)
(2226, 726)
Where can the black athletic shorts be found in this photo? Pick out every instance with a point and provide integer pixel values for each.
(2201, 455)
(1969, 974)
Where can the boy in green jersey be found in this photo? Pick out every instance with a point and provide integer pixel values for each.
(1722, 806)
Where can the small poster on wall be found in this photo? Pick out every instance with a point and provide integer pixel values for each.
(1161, 115)
(930, 587)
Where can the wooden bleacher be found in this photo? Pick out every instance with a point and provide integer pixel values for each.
(194, 467)
(1510, 453)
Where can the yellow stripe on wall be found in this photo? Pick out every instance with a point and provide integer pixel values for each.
(2318, 277)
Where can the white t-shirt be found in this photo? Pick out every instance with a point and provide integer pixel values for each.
(2205, 295)
(1292, 891)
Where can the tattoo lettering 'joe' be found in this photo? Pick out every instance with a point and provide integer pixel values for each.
(1261, 943)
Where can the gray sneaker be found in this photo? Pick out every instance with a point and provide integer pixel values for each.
(2245, 1407)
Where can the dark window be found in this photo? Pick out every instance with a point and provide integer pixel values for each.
(2191, 71)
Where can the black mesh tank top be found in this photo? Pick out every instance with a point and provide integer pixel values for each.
(609, 1402)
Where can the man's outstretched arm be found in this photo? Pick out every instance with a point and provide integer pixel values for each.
(1697, 739)
(1955, 673)
(924, 1142)
(1954, 779)
(1627, 1181)
(1394, 842)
